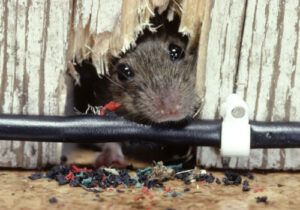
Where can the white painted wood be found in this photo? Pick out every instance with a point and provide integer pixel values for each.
(292, 155)
(251, 47)
(258, 26)
(287, 70)
(34, 39)
(226, 21)
(33, 44)
(55, 95)
(268, 69)
(269, 66)
(108, 14)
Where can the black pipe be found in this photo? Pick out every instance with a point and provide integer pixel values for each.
(92, 129)
(275, 134)
(95, 129)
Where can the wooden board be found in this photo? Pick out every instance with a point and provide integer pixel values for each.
(36, 43)
(34, 40)
(264, 71)
(218, 63)
(39, 39)
(247, 47)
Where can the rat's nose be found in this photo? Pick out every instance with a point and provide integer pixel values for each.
(169, 109)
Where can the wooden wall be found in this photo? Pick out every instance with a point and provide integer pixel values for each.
(252, 49)
(40, 39)
(33, 43)
(247, 47)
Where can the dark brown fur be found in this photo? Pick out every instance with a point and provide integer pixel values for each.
(158, 83)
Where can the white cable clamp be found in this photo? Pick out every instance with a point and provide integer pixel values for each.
(235, 134)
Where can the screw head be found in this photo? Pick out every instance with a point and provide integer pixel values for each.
(238, 112)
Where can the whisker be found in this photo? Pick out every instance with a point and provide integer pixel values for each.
(117, 84)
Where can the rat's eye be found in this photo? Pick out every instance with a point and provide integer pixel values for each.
(175, 52)
(125, 73)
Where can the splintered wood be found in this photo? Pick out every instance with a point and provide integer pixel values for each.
(122, 26)
(247, 47)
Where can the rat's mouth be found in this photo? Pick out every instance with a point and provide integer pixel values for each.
(170, 117)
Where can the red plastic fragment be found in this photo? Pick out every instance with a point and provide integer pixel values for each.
(111, 106)
(104, 178)
(70, 176)
(145, 190)
(260, 189)
(76, 169)
(167, 189)
(138, 197)
(148, 207)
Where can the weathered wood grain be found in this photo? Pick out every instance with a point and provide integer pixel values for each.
(222, 29)
(267, 65)
(267, 73)
(34, 40)
(247, 47)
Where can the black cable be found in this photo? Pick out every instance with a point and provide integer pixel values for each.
(92, 129)
(275, 134)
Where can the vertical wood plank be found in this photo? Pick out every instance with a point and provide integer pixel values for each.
(12, 74)
(268, 69)
(55, 94)
(34, 43)
(261, 31)
(267, 63)
(287, 69)
(222, 52)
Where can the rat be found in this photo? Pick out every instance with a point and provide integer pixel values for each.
(154, 83)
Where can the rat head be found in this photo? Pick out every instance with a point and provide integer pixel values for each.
(155, 82)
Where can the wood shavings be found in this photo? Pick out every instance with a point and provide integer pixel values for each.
(112, 171)
(126, 24)
(161, 172)
(196, 172)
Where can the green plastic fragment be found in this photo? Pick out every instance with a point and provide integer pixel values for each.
(179, 193)
(169, 195)
(145, 171)
(81, 174)
(160, 190)
(175, 167)
(86, 181)
(138, 185)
